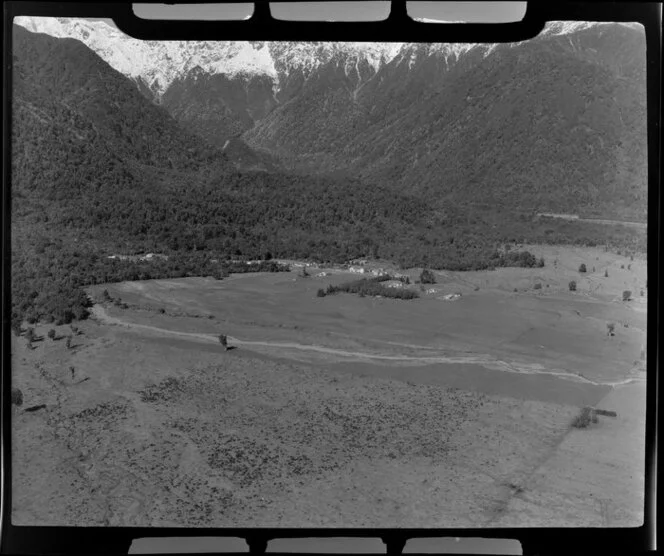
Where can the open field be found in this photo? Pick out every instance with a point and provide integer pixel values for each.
(340, 411)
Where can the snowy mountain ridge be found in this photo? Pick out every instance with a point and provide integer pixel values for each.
(158, 64)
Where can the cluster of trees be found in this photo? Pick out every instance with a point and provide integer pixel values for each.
(371, 287)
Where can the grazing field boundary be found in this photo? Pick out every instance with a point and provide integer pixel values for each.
(99, 312)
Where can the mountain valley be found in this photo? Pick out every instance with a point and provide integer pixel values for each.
(261, 284)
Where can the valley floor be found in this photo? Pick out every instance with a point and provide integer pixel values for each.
(341, 411)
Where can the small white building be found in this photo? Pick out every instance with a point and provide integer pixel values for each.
(152, 256)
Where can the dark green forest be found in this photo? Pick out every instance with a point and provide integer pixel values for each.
(98, 170)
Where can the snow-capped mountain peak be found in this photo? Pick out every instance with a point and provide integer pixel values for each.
(158, 64)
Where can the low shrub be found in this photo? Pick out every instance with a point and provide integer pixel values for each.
(582, 268)
(583, 419)
(30, 334)
(626, 295)
(572, 286)
(538, 286)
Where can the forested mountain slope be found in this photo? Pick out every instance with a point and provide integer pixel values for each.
(553, 124)
(98, 169)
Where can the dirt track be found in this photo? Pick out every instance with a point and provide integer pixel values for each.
(487, 361)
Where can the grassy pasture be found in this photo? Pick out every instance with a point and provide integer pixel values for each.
(550, 327)
(169, 429)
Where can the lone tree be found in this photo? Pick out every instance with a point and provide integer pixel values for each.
(582, 268)
(610, 329)
(73, 372)
(68, 342)
(627, 295)
(51, 334)
(17, 397)
(572, 286)
(606, 274)
(223, 340)
(427, 277)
